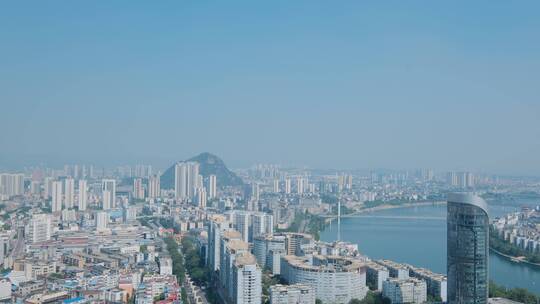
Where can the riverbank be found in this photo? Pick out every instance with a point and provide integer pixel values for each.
(514, 259)
(402, 235)
(330, 218)
(511, 251)
(394, 206)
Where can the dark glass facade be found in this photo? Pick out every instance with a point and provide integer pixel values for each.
(468, 249)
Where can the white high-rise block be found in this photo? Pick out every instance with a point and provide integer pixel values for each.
(69, 193)
(299, 185)
(186, 180)
(288, 186)
(56, 202)
(154, 188)
(201, 197)
(212, 186)
(247, 280)
(109, 189)
(40, 228)
(83, 194)
(292, 294)
(11, 184)
(102, 220)
(138, 189)
(106, 200)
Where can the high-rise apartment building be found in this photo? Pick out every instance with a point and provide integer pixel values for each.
(241, 224)
(56, 196)
(201, 197)
(69, 193)
(11, 184)
(251, 224)
(230, 246)
(247, 280)
(341, 182)
(261, 224)
(154, 188)
(83, 194)
(102, 220)
(138, 189)
(292, 294)
(194, 180)
(300, 185)
(263, 246)
(106, 200)
(287, 186)
(334, 279)
(466, 179)
(275, 187)
(108, 186)
(40, 228)
(410, 290)
(212, 186)
(186, 180)
(47, 187)
(349, 182)
(468, 249)
(218, 224)
(460, 179)
(255, 192)
(180, 181)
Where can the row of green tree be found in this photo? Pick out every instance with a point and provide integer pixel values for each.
(178, 264)
(498, 243)
(495, 291)
(194, 264)
(516, 294)
(376, 203)
(372, 298)
(199, 273)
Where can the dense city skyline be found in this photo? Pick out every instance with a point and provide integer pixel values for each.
(359, 85)
(281, 152)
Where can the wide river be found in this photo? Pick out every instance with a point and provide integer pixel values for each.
(417, 236)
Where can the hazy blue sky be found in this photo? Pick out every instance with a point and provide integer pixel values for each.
(401, 84)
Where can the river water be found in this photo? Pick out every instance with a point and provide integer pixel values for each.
(417, 236)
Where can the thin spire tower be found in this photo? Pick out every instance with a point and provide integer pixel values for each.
(339, 220)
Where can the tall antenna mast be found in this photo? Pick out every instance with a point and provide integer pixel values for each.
(339, 220)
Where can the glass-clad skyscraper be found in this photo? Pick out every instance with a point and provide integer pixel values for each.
(468, 249)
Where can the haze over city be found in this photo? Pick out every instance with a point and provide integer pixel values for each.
(269, 152)
(449, 86)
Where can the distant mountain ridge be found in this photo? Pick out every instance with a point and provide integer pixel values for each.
(210, 164)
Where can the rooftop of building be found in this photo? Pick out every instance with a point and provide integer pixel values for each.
(428, 273)
(231, 234)
(373, 265)
(237, 245)
(245, 259)
(326, 263)
(405, 281)
(285, 288)
(392, 264)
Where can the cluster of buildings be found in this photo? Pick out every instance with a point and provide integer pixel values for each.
(114, 265)
(98, 237)
(390, 277)
(332, 272)
(11, 185)
(460, 179)
(79, 239)
(521, 229)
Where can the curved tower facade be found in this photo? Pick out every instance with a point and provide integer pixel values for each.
(468, 249)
